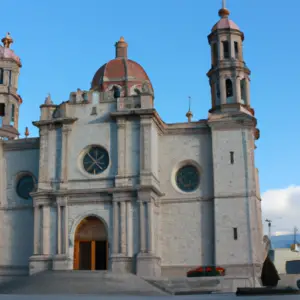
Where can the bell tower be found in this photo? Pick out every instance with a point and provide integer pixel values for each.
(237, 204)
(229, 75)
(10, 101)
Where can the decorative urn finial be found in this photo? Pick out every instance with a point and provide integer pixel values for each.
(7, 40)
(26, 132)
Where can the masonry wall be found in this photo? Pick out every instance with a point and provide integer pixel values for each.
(91, 130)
(16, 221)
(186, 234)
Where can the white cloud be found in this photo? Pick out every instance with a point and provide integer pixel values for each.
(283, 208)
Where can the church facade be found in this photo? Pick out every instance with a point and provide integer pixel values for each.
(108, 185)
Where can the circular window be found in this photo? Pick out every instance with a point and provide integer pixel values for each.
(96, 160)
(187, 178)
(25, 186)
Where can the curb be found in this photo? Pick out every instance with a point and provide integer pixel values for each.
(266, 291)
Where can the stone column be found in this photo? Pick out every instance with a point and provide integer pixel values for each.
(129, 228)
(58, 228)
(46, 230)
(51, 152)
(145, 145)
(43, 162)
(123, 227)
(222, 90)
(116, 227)
(64, 163)
(247, 88)
(121, 146)
(150, 226)
(238, 95)
(66, 230)
(3, 185)
(220, 50)
(142, 228)
(36, 230)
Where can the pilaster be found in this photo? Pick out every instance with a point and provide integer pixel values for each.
(247, 87)
(51, 151)
(2, 171)
(66, 130)
(148, 264)
(41, 259)
(120, 179)
(237, 89)
(222, 89)
(46, 230)
(43, 183)
(62, 261)
(121, 260)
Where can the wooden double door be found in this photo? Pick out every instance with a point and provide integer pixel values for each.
(90, 255)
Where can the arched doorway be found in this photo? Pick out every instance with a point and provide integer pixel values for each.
(91, 246)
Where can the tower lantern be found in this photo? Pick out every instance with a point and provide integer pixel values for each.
(10, 101)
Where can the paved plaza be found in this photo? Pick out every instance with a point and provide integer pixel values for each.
(194, 297)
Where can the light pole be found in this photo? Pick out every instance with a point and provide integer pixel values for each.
(269, 226)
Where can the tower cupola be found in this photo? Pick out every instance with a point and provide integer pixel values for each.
(229, 75)
(10, 101)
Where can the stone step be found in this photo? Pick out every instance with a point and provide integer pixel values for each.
(182, 286)
(80, 282)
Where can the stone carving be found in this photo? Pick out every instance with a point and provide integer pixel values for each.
(79, 96)
(56, 113)
(146, 88)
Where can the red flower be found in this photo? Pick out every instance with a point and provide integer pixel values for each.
(208, 269)
(200, 269)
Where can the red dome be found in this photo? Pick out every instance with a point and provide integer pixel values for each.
(123, 73)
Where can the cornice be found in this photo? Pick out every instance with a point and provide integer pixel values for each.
(231, 121)
(22, 144)
(229, 65)
(65, 121)
(216, 33)
(164, 128)
(165, 201)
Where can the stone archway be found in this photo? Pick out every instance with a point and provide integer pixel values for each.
(90, 245)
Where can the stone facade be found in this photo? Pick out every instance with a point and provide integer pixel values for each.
(153, 226)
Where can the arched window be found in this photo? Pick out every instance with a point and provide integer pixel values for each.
(229, 91)
(243, 91)
(214, 54)
(12, 117)
(2, 109)
(236, 50)
(225, 49)
(1, 76)
(117, 92)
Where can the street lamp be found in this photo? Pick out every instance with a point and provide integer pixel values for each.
(269, 226)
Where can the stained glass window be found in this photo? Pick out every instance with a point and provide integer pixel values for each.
(188, 178)
(96, 160)
(25, 186)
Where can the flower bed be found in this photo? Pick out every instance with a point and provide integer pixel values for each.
(208, 271)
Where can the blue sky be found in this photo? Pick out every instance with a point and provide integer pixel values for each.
(63, 43)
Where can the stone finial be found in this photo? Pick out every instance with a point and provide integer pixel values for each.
(224, 12)
(26, 132)
(48, 100)
(189, 114)
(7, 40)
